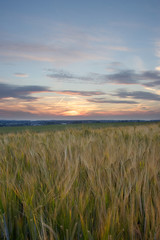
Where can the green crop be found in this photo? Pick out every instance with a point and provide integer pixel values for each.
(81, 183)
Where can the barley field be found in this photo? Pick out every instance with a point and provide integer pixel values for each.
(77, 184)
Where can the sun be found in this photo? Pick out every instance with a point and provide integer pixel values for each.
(72, 113)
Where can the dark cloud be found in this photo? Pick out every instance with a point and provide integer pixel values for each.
(21, 92)
(122, 77)
(150, 75)
(61, 75)
(132, 77)
(65, 75)
(153, 77)
(24, 92)
(8, 114)
(81, 93)
(24, 115)
(152, 84)
(138, 95)
(145, 78)
(103, 100)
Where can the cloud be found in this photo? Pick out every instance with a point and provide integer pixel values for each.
(129, 77)
(21, 75)
(26, 114)
(150, 75)
(21, 92)
(152, 84)
(81, 93)
(119, 48)
(24, 92)
(125, 115)
(110, 115)
(63, 44)
(8, 114)
(122, 77)
(103, 100)
(37, 52)
(157, 48)
(138, 95)
(51, 52)
(65, 75)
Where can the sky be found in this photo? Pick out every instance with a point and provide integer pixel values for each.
(94, 59)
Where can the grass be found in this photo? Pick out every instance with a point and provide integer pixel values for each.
(81, 183)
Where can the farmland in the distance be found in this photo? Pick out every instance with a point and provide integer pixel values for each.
(82, 182)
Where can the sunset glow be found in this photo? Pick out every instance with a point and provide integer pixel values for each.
(85, 60)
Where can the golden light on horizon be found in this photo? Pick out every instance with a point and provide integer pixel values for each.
(71, 113)
(71, 106)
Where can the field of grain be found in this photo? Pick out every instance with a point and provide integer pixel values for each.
(81, 184)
